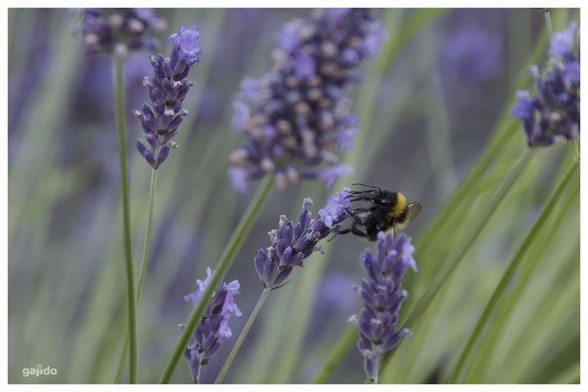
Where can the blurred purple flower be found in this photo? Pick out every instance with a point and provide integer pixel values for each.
(119, 29)
(330, 174)
(331, 305)
(241, 114)
(293, 242)
(382, 294)
(334, 292)
(473, 52)
(298, 118)
(562, 42)
(168, 88)
(552, 116)
(213, 328)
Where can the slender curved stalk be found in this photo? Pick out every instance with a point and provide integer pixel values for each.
(121, 361)
(244, 332)
(548, 24)
(226, 259)
(126, 219)
(152, 191)
(377, 361)
(509, 273)
(197, 378)
(576, 144)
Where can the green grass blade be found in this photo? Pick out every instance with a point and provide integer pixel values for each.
(126, 217)
(509, 273)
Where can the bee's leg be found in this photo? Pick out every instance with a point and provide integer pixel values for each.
(355, 218)
(336, 234)
(355, 229)
(331, 239)
(358, 230)
(344, 231)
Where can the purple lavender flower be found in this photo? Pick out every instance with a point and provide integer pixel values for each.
(119, 29)
(382, 294)
(213, 328)
(168, 88)
(553, 115)
(296, 118)
(293, 242)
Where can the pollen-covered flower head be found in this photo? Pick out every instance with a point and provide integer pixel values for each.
(552, 115)
(119, 29)
(168, 88)
(296, 119)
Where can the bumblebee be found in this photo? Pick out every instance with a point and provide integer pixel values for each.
(381, 210)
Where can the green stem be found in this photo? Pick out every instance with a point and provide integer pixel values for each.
(576, 144)
(244, 332)
(122, 153)
(121, 361)
(196, 378)
(547, 13)
(152, 191)
(226, 259)
(378, 361)
(509, 273)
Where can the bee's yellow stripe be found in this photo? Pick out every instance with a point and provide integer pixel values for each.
(399, 208)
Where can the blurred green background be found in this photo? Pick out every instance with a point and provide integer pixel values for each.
(429, 107)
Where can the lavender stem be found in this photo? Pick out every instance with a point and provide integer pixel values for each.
(152, 191)
(244, 332)
(122, 139)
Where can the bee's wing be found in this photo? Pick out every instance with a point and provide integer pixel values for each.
(413, 210)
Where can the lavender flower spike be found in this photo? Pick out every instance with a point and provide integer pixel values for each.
(382, 294)
(552, 116)
(168, 88)
(213, 328)
(296, 119)
(119, 29)
(293, 242)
